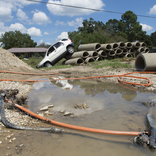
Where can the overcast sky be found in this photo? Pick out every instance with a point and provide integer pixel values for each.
(49, 23)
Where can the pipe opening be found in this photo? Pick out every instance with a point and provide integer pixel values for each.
(115, 45)
(122, 44)
(91, 60)
(146, 50)
(137, 44)
(108, 46)
(140, 63)
(111, 53)
(132, 50)
(85, 54)
(79, 61)
(104, 54)
(125, 51)
(143, 44)
(98, 46)
(99, 59)
(128, 55)
(129, 45)
(118, 52)
(95, 54)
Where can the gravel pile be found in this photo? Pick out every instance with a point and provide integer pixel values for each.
(9, 61)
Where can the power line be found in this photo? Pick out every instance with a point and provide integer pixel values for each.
(77, 7)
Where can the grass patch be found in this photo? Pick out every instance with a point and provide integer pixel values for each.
(33, 62)
(115, 63)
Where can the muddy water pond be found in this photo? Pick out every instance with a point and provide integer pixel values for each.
(109, 106)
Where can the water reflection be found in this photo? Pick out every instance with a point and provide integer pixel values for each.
(111, 106)
(93, 87)
(96, 94)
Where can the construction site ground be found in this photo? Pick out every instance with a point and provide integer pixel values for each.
(9, 62)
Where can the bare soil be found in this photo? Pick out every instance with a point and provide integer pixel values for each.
(10, 62)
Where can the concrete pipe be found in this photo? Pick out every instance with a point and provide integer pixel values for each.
(136, 44)
(114, 45)
(89, 47)
(89, 59)
(111, 52)
(132, 51)
(142, 44)
(128, 45)
(93, 54)
(102, 53)
(80, 54)
(125, 51)
(128, 55)
(146, 50)
(121, 44)
(106, 46)
(99, 59)
(140, 50)
(74, 61)
(118, 51)
(145, 62)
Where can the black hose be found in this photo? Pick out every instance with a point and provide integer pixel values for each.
(13, 126)
(152, 137)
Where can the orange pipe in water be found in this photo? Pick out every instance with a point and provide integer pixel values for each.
(93, 130)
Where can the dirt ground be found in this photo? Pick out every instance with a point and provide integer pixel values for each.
(9, 62)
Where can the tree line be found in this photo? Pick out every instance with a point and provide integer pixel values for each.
(126, 29)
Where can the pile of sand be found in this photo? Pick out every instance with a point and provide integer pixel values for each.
(10, 62)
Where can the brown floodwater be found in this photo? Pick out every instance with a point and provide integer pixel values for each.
(111, 107)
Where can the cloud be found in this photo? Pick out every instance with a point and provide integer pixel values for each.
(41, 41)
(22, 16)
(153, 10)
(46, 33)
(146, 27)
(40, 17)
(34, 32)
(5, 14)
(77, 22)
(7, 6)
(18, 27)
(59, 23)
(69, 11)
(12, 27)
(63, 35)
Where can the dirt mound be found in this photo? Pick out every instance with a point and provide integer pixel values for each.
(10, 62)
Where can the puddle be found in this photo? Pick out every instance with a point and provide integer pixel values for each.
(111, 107)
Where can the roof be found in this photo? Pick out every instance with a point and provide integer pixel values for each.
(27, 50)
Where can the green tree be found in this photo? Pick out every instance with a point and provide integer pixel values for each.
(153, 38)
(112, 26)
(16, 39)
(129, 27)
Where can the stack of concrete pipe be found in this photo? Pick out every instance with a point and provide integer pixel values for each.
(97, 52)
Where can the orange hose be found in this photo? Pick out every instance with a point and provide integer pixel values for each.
(27, 73)
(75, 127)
(103, 76)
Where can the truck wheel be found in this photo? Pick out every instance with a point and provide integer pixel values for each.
(70, 49)
(47, 64)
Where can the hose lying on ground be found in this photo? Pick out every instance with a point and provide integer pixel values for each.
(22, 73)
(94, 77)
(13, 126)
(73, 126)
